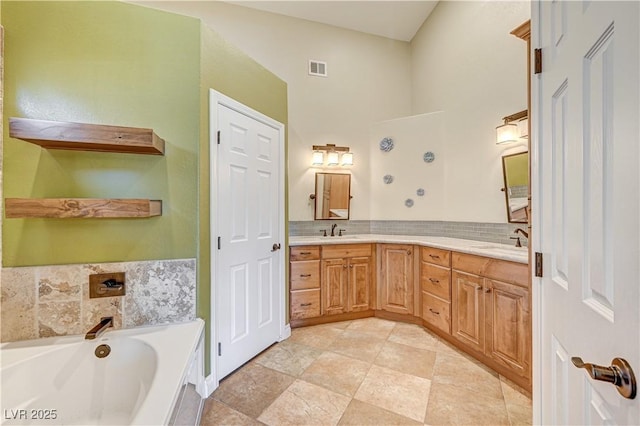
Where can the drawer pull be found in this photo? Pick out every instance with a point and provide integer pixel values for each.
(305, 253)
(479, 287)
(305, 275)
(305, 304)
(434, 312)
(434, 256)
(433, 280)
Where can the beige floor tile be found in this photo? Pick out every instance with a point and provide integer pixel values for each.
(217, 413)
(288, 357)
(413, 335)
(376, 327)
(305, 404)
(357, 345)
(400, 393)
(448, 349)
(407, 359)
(340, 324)
(337, 373)
(519, 405)
(468, 374)
(361, 413)
(318, 336)
(520, 414)
(453, 405)
(252, 389)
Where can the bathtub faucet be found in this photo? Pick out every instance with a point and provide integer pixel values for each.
(99, 328)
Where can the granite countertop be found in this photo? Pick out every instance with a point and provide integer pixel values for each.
(480, 248)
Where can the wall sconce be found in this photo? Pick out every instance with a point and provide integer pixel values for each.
(334, 157)
(509, 131)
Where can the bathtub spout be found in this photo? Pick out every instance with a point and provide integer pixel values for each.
(99, 328)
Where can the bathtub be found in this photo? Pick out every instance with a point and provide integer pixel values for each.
(142, 381)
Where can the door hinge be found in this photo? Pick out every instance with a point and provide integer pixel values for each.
(537, 64)
(538, 264)
(219, 240)
(219, 349)
(218, 137)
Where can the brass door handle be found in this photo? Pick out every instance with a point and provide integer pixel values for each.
(275, 247)
(619, 374)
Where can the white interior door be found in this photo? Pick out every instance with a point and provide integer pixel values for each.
(247, 233)
(586, 190)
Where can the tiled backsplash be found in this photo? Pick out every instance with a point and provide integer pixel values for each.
(490, 232)
(44, 301)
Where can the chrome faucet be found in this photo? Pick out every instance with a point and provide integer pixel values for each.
(99, 328)
(522, 231)
(333, 229)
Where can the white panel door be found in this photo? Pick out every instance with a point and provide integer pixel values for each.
(248, 281)
(586, 189)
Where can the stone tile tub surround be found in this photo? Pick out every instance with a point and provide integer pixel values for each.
(45, 301)
(479, 231)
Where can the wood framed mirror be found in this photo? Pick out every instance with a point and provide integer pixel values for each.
(515, 169)
(332, 196)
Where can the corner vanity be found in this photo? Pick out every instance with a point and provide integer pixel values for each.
(472, 294)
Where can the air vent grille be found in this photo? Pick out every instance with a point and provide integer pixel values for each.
(317, 68)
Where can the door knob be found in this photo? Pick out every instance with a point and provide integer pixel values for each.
(619, 374)
(275, 247)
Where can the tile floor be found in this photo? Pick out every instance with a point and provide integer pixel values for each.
(365, 372)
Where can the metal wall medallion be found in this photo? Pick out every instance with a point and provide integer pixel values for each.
(386, 144)
(387, 179)
(420, 192)
(428, 157)
(408, 202)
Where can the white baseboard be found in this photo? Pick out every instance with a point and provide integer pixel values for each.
(286, 333)
(210, 384)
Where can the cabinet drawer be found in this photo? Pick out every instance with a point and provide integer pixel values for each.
(436, 256)
(305, 274)
(305, 304)
(436, 280)
(436, 312)
(338, 251)
(304, 253)
(501, 270)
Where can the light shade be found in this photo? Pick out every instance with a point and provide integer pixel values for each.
(318, 158)
(347, 159)
(507, 133)
(332, 159)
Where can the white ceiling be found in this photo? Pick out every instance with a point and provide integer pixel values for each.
(399, 20)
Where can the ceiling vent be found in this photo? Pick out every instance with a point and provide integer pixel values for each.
(317, 68)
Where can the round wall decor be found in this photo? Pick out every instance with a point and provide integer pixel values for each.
(428, 157)
(420, 192)
(408, 202)
(387, 179)
(386, 144)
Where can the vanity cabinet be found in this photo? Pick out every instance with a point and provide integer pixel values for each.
(491, 310)
(435, 284)
(346, 276)
(396, 278)
(304, 279)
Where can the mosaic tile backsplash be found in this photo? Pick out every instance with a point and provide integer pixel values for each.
(45, 301)
(489, 232)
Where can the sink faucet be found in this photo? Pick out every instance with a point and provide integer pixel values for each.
(522, 231)
(333, 229)
(99, 328)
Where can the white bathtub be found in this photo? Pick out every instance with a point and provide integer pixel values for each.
(60, 380)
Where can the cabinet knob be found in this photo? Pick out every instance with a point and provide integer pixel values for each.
(350, 266)
(488, 290)
(344, 266)
(479, 287)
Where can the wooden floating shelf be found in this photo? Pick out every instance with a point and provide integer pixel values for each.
(23, 208)
(86, 137)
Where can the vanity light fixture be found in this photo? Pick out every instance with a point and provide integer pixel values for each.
(318, 158)
(336, 155)
(508, 132)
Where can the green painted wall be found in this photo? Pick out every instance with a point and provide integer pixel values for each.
(227, 70)
(104, 63)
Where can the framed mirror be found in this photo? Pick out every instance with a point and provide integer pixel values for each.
(332, 196)
(515, 168)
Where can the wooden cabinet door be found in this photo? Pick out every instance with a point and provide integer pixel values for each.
(396, 278)
(359, 283)
(508, 336)
(467, 300)
(334, 286)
